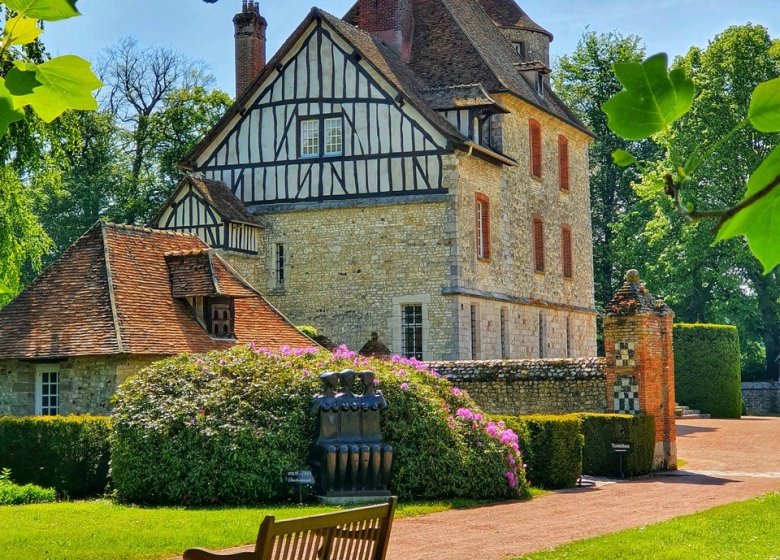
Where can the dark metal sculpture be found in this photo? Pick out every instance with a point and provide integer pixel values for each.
(349, 458)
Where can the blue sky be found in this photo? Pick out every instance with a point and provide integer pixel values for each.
(205, 31)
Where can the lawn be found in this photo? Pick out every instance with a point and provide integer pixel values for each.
(741, 530)
(102, 530)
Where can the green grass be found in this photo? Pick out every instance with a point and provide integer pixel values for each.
(103, 530)
(735, 531)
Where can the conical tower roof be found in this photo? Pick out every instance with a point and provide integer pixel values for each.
(507, 14)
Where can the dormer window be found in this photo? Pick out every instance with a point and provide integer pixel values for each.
(540, 84)
(219, 317)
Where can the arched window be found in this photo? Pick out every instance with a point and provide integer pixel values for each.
(535, 137)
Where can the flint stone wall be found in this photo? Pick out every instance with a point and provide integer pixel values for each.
(518, 387)
(761, 397)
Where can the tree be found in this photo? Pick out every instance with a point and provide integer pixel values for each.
(585, 81)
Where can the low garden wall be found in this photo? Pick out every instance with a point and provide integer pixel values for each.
(761, 397)
(519, 387)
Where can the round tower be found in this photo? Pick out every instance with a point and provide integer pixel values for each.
(529, 38)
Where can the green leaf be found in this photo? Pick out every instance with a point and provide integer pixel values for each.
(764, 111)
(622, 158)
(21, 30)
(653, 98)
(7, 112)
(760, 221)
(47, 10)
(66, 82)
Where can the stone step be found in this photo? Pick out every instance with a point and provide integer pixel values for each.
(694, 417)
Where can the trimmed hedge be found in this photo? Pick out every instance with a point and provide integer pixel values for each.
(225, 427)
(602, 430)
(67, 453)
(707, 368)
(552, 448)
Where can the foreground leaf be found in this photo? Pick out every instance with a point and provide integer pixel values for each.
(622, 158)
(760, 222)
(47, 10)
(764, 112)
(8, 113)
(66, 82)
(21, 30)
(653, 98)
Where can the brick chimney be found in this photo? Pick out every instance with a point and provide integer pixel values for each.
(250, 45)
(390, 20)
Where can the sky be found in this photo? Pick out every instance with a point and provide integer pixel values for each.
(205, 31)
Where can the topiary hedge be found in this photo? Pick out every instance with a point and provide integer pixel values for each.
(707, 369)
(552, 448)
(68, 453)
(602, 430)
(226, 427)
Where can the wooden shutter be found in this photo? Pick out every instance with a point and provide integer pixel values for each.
(566, 251)
(538, 244)
(563, 162)
(535, 135)
(482, 225)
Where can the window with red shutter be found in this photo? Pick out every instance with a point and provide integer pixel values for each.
(563, 162)
(535, 135)
(538, 244)
(482, 226)
(566, 251)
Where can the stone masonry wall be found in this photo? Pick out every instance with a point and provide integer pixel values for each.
(519, 387)
(761, 397)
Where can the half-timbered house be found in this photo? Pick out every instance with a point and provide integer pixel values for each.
(416, 177)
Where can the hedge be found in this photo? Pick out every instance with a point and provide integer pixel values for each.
(552, 448)
(707, 369)
(67, 453)
(602, 430)
(225, 427)
(12, 494)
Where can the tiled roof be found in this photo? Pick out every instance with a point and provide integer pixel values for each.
(111, 293)
(459, 97)
(506, 13)
(634, 298)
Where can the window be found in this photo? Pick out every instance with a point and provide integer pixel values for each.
(47, 390)
(563, 162)
(538, 232)
(520, 48)
(568, 337)
(503, 335)
(566, 251)
(333, 136)
(474, 331)
(482, 226)
(219, 314)
(540, 84)
(280, 265)
(540, 332)
(412, 331)
(535, 135)
(310, 138)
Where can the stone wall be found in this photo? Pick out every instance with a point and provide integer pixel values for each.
(86, 383)
(518, 387)
(761, 397)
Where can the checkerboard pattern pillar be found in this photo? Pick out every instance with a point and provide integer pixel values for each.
(640, 362)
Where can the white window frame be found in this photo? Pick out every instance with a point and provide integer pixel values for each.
(310, 137)
(333, 147)
(47, 370)
(481, 245)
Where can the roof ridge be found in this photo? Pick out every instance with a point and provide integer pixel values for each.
(145, 229)
(110, 282)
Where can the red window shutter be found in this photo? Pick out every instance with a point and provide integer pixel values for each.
(482, 225)
(563, 162)
(538, 245)
(568, 271)
(535, 134)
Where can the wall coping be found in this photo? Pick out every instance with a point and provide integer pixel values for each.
(522, 370)
(761, 384)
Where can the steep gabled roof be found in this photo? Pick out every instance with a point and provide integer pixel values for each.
(111, 293)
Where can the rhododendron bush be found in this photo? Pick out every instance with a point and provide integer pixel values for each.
(225, 428)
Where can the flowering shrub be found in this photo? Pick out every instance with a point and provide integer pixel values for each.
(225, 427)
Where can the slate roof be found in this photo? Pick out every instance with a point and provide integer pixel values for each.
(111, 293)
(506, 13)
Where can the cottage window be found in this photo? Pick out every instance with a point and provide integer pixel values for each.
(535, 135)
(482, 226)
(538, 233)
(47, 390)
(568, 269)
(563, 162)
(310, 137)
(333, 136)
(412, 331)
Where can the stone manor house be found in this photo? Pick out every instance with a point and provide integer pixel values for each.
(412, 174)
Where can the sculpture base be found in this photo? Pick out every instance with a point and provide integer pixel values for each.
(345, 499)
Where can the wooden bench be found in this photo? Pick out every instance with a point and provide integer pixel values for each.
(354, 534)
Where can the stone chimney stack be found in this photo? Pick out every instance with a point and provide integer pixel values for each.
(250, 45)
(390, 20)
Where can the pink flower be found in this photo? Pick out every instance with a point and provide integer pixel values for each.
(199, 362)
(376, 381)
(511, 479)
(455, 391)
(404, 386)
(401, 372)
(306, 372)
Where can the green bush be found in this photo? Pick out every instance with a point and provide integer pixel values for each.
(602, 430)
(707, 368)
(308, 330)
(552, 448)
(225, 428)
(68, 453)
(12, 494)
